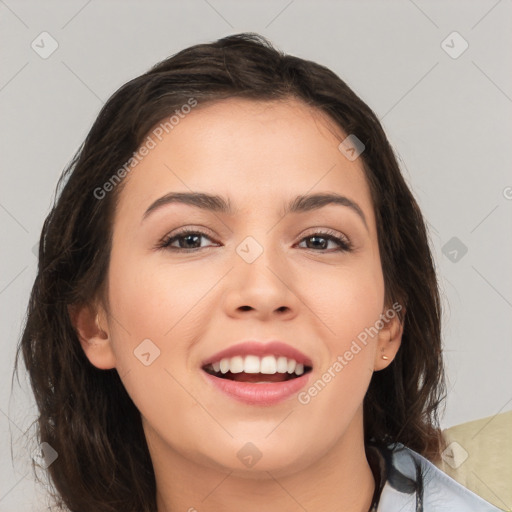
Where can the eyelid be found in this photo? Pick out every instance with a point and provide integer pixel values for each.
(325, 231)
(193, 228)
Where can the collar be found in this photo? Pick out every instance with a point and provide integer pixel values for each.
(407, 481)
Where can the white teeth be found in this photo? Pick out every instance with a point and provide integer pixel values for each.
(253, 364)
(291, 365)
(236, 365)
(224, 365)
(268, 365)
(282, 364)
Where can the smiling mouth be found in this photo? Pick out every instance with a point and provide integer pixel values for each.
(255, 377)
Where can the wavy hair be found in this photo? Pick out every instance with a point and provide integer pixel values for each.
(85, 413)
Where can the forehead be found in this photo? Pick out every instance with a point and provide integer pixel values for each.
(256, 153)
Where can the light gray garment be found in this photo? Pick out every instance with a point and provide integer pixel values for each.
(441, 493)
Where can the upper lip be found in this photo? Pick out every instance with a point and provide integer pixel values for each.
(270, 348)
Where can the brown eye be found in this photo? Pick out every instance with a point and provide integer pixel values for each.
(320, 241)
(188, 240)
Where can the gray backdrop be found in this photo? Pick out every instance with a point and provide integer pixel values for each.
(437, 74)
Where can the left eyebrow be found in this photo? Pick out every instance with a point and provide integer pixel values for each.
(219, 204)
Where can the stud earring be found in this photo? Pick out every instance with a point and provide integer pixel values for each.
(385, 357)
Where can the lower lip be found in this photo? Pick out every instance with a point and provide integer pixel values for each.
(265, 393)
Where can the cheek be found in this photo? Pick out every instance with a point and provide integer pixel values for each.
(164, 304)
(155, 300)
(347, 300)
(351, 311)
(151, 308)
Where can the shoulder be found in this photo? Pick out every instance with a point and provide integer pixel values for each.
(441, 493)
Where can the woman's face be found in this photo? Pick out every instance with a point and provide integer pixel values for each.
(256, 274)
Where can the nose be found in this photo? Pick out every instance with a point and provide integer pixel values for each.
(263, 289)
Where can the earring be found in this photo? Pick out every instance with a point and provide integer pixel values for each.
(385, 357)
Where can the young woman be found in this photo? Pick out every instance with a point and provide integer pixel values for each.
(236, 306)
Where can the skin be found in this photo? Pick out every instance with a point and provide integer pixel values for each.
(191, 305)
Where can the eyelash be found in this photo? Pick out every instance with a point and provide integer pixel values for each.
(344, 243)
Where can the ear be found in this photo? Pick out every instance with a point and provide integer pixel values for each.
(95, 341)
(389, 340)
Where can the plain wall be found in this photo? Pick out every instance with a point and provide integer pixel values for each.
(449, 120)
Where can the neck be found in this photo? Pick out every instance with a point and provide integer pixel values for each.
(340, 479)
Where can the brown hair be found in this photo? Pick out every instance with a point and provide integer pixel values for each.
(85, 413)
